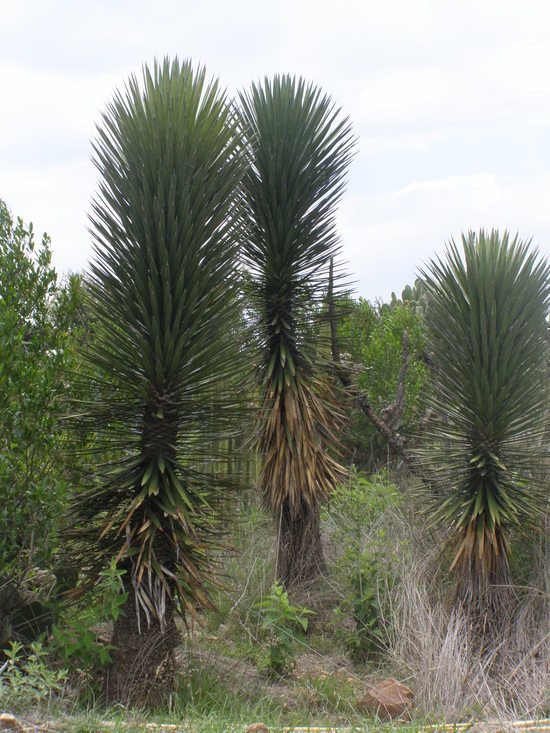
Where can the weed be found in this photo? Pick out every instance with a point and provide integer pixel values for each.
(284, 623)
(26, 679)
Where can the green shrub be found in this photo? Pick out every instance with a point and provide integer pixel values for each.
(373, 337)
(36, 364)
(366, 558)
(27, 679)
(285, 624)
(76, 640)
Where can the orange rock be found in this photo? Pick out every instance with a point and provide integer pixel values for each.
(389, 699)
(257, 728)
(8, 722)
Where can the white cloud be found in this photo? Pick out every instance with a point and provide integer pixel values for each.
(436, 90)
(60, 196)
(388, 237)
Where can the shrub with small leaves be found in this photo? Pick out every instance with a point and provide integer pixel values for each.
(373, 337)
(37, 364)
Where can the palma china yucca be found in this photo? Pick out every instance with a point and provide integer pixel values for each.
(487, 327)
(166, 227)
(300, 147)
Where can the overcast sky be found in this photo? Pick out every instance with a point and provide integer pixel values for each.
(450, 102)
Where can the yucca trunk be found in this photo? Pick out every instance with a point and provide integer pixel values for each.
(142, 671)
(164, 300)
(300, 556)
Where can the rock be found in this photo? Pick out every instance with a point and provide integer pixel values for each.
(389, 699)
(9, 723)
(257, 728)
(22, 614)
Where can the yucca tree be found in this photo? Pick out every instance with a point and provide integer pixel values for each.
(487, 329)
(166, 227)
(300, 148)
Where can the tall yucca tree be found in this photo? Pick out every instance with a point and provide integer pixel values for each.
(300, 148)
(166, 227)
(487, 328)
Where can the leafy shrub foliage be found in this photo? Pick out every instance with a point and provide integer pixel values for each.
(27, 679)
(358, 513)
(76, 638)
(373, 336)
(36, 358)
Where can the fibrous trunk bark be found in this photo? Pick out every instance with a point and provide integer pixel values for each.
(300, 556)
(142, 670)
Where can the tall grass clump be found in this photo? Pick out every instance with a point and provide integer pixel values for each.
(458, 670)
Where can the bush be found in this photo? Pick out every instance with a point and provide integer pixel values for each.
(35, 361)
(76, 639)
(26, 678)
(358, 517)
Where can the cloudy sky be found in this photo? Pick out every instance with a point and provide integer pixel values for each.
(450, 101)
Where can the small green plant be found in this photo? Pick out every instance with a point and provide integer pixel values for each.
(285, 624)
(365, 586)
(26, 679)
(365, 561)
(76, 641)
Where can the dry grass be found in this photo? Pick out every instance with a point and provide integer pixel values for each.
(459, 668)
